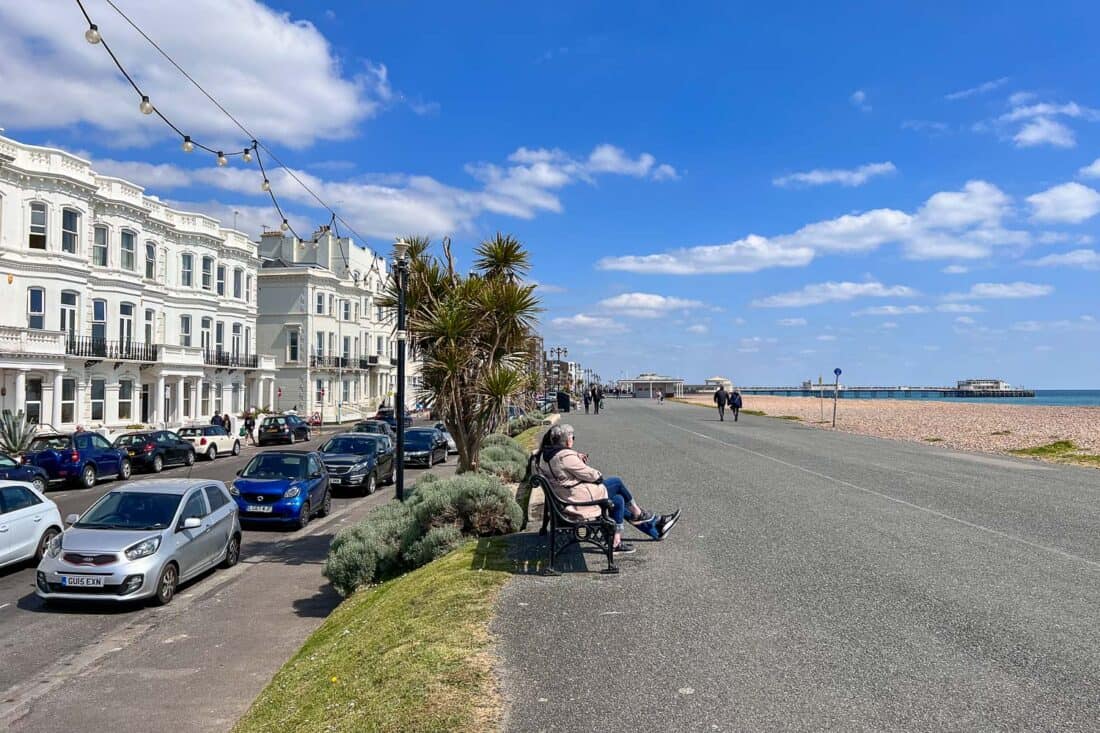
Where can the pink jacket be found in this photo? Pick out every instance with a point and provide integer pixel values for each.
(574, 480)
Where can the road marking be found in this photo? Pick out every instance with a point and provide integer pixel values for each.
(4, 605)
(996, 532)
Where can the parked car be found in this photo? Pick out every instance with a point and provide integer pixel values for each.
(389, 416)
(13, 470)
(379, 427)
(452, 447)
(283, 429)
(83, 458)
(28, 522)
(283, 487)
(424, 445)
(514, 411)
(211, 440)
(142, 541)
(359, 461)
(152, 450)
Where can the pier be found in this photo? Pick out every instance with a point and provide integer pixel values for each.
(895, 393)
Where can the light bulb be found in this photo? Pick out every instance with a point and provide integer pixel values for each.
(285, 225)
(146, 106)
(188, 146)
(266, 185)
(246, 156)
(92, 34)
(222, 160)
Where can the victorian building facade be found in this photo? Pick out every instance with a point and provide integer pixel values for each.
(119, 310)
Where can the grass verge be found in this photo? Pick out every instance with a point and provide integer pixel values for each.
(1062, 451)
(529, 438)
(933, 440)
(408, 655)
(758, 413)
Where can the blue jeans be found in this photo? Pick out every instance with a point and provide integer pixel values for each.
(620, 496)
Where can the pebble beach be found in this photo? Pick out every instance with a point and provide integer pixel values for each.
(989, 427)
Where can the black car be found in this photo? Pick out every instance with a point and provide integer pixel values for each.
(152, 450)
(13, 470)
(378, 427)
(424, 445)
(359, 461)
(388, 415)
(283, 429)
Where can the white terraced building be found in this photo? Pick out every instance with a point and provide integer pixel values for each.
(335, 347)
(118, 309)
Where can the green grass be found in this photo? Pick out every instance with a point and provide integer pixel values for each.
(411, 654)
(1062, 451)
(529, 438)
(758, 413)
(788, 417)
(933, 440)
(1001, 432)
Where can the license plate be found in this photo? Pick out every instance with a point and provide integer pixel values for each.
(82, 581)
(132, 452)
(337, 481)
(259, 509)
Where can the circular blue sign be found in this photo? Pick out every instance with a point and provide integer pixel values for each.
(837, 371)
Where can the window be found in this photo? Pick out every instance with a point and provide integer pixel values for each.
(150, 261)
(292, 345)
(68, 312)
(319, 343)
(68, 400)
(219, 336)
(331, 344)
(195, 507)
(36, 308)
(99, 320)
(70, 230)
(150, 325)
(204, 398)
(221, 280)
(356, 317)
(127, 259)
(99, 247)
(187, 264)
(37, 236)
(380, 350)
(331, 305)
(216, 497)
(347, 347)
(14, 498)
(237, 393)
(236, 338)
(185, 330)
(347, 310)
(207, 273)
(238, 283)
(218, 398)
(205, 332)
(125, 398)
(347, 391)
(248, 288)
(125, 322)
(99, 391)
(378, 313)
(320, 304)
(320, 390)
(247, 340)
(187, 401)
(33, 400)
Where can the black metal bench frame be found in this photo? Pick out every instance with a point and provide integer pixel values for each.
(598, 531)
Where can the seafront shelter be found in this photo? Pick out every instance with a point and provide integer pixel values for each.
(649, 384)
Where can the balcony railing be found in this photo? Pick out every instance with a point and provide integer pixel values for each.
(378, 360)
(319, 361)
(93, 347)
(236, 360)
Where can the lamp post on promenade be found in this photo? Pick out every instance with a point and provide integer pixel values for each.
(559, 352)
(400, 251)
(836, 389)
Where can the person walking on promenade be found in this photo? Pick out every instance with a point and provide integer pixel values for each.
(735, 404)
(587, 398)
(572, 479)
(250, 428)
(217, 420)
(721, 398)
(595, 400)
(227, 423)
(599, 396)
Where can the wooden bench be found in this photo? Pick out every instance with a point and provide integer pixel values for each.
(573, 528)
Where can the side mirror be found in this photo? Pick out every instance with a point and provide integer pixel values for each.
(240, 471)
(72, 519)
(191, 523)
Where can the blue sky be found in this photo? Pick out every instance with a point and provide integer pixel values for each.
(909, 193)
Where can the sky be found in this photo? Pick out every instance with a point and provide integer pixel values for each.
(910, 192)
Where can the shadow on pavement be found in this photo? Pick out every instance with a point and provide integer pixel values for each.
(528, 553)
(320, 604)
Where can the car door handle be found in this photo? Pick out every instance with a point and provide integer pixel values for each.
(3, 528)
(38, 518)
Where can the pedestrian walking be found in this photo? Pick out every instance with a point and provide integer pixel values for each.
(250, 428)
(217, 420)
(587, 399)
(721, 398)
(227, 423)
(595, 400)
(735, 404)
(599, 396)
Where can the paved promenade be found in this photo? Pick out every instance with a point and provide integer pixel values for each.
(817, 581)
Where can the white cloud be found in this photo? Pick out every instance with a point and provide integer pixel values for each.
(1083, 324)
(959, 308)
(1018, 98)
(790, 322)
(750, 254)
(826, 337)
(647, 305)
(163, 176)
(1048, 110)
(845, 177)
(547, 288)
(891, 310)
(1002, 291)
(980, 89)
(1088, 259)
(610, 159)
(888, 325)
(930, 126)
(859, 100)
(955, 270)
(1092, 170)
(1044, 131)
(585, 321)
(965, 320)
(829, 292)
(1068, 202)
(697, 328)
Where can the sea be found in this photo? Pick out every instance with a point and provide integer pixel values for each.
(1059, 397)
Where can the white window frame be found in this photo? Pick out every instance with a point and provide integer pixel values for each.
(36, 316)
(127, 257)
(98, 405)
(185, 330)
(220, 280)
(100, 320)
(293, 346)
(207, 276)
(101, 249)
(238, 283)
(70, 238)
(38, 232)
(150, 262)
(68, 406)
(187, 270)
(125, 401)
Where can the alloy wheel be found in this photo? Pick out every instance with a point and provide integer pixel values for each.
(44, 543)
(212, 454)
(370, 485)
(303, 516)
(158, 464)
(39, 484)
(166, 585)
(88, 476)
(326, 505)
(190, 460)
(236, 447)
(125, 469)
(232, 552)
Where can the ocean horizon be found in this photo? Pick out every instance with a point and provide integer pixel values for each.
(1050, 397)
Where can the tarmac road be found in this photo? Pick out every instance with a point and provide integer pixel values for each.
(817, 581)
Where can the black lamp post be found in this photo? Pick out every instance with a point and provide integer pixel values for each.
(400, 251)
(559, 352)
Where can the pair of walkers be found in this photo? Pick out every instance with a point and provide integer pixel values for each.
(572, 479)
(722, 398)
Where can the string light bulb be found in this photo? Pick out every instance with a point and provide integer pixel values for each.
(222, 160)
(285, 225)
(146, 106)
(188, 146)
(92, 35)
(266, 185)
(246, 156)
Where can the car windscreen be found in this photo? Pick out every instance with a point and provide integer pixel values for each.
(131, 510)
(348, 445)
(418, 438)
(123, 441)
(51, 442)
(190, 432)
(269, 421)
(276, 465)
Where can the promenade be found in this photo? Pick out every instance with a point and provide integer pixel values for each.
(817, 581)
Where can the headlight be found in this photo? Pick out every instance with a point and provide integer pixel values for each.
(355, 477)
(145, 548)
(233, 490)
(54, 548)
(291, 492)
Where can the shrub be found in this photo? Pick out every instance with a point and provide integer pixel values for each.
(368, 550)
(503, 453)
(498, 439)
(435, 544)
(478, 504)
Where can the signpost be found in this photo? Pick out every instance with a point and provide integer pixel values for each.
(836, 388)
(278, 399)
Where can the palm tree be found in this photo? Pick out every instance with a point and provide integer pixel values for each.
(472, 334)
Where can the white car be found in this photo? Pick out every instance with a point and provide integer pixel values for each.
(28, 522)
(210, 441)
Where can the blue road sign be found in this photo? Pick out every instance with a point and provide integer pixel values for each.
(837, 371)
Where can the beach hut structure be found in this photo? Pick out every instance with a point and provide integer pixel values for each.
(648, 384)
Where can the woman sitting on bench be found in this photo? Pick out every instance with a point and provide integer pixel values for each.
(572, 479)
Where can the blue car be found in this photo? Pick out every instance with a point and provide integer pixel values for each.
(82, 458)
(15, 471)
(282, 487)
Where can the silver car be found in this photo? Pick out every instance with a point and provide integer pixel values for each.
(142, 541)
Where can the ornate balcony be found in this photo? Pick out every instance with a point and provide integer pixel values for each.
(91, 347)
(230, 359)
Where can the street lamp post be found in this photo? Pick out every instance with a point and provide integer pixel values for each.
(400, 250)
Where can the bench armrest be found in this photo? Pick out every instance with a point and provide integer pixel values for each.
(604, 503)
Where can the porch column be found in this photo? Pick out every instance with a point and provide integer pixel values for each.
(197, 402)
(20, 391)
(180, 386)
(55, 412)
(157, 408)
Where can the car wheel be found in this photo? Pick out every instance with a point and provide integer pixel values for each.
(370, 486)
(190, 460)
(326, 505)
(158, 464)
(232, 552)
(212, 453)
(393, 475)
(125, 469)
(166, 585)
(39, 484)
(303, 516)
(293, 440)
(87, 476)
(236, 447)
(44, 543)
(309, 435)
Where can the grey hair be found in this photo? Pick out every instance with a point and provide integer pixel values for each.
(560, 433)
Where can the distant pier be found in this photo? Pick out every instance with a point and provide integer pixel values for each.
(895, 393)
